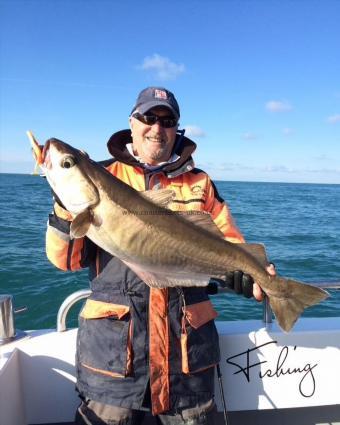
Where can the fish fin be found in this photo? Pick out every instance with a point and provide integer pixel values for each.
(203, 220)
(161, 197)
(257, 250)
(160, 280)
(297, 296)
(80, 224)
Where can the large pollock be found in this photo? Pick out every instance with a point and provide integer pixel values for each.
(163, 248)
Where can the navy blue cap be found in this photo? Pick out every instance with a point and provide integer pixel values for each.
(151, 97)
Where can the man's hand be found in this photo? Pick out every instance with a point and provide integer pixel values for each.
(257, 291)
(240, 283)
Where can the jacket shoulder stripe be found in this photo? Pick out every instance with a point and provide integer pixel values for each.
(188, 201)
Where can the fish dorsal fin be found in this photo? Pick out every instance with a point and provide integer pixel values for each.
(81, 223)
(204, 220)
(161, 197)
(257, 250)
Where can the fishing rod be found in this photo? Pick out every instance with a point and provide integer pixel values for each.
(220, 384)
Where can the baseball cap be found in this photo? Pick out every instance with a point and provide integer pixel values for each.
(152, 97)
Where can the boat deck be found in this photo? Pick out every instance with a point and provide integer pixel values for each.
(326, 415)
(268, 377)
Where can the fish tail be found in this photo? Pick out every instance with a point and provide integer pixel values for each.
(296, 297)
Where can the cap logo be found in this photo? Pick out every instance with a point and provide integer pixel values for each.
(160, 94)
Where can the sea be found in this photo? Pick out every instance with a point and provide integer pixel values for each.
(299, 225)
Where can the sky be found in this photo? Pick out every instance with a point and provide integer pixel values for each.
(258, 82)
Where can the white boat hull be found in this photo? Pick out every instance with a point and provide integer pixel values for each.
(268, 376)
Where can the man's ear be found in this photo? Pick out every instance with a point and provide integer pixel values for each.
(131, 123)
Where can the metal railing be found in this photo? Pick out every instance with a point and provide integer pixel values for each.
(8, 332)
(67, 304)
(84, 293)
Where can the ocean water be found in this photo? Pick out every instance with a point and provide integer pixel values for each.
(298, 223)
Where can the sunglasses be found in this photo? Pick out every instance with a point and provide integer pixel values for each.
(165, 122)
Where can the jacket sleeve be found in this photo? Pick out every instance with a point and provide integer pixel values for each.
(221, 214)
(62, 251)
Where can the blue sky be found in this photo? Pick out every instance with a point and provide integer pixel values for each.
(258, 82)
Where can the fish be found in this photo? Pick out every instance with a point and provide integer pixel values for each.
(164, 248)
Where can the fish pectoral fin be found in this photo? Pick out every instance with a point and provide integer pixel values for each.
(161, 197)
(81, 223)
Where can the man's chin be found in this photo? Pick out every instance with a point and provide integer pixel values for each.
(155, 157)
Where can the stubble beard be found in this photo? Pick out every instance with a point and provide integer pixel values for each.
(155, 151)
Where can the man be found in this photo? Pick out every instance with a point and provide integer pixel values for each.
(140, 348)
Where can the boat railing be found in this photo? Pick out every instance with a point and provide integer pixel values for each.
(8, 332)
(67, 304)
(84, 293)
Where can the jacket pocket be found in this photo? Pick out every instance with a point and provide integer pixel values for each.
(105, 339)
(199, 338)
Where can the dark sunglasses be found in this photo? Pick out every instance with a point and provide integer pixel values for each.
(165, 122)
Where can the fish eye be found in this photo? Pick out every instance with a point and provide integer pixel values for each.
(68, 162)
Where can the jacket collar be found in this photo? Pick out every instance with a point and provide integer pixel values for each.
(117, 148)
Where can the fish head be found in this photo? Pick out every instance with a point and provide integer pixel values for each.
(68, 173)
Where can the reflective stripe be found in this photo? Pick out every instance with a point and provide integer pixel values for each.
(103, 372)
(129, 356)
(97, 263)
(98, 309)
(184, 349)
(74, 254)
(159, 350)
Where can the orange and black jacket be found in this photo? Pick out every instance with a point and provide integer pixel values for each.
(139, 346)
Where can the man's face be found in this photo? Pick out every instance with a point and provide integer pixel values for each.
(153, 143)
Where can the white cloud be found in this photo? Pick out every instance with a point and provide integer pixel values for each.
(194, 131)
(333, 119)
(277, 172)
(249, 136)
(278, 169)
(161, 67)
(288, 131)
(278, 106)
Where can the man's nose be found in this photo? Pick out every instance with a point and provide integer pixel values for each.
(157, 126)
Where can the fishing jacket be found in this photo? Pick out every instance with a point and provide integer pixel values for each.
(138, 346)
